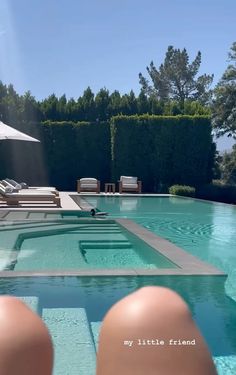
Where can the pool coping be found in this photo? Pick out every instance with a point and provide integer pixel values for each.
(187, 263)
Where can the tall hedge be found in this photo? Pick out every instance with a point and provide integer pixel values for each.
(67, 152)
(25, 161)
(162, 150)
(76, 150)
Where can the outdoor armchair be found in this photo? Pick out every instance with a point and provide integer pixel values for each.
(129, 184)
(88, 185)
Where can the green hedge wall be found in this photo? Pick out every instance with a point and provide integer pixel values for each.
(76, 150)
(162, 150)
(25, 161)
(217, 192)
(67, 152)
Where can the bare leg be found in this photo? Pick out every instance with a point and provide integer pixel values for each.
(152, 313)
(25, 344)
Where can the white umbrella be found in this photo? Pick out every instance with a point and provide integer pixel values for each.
(6, 132)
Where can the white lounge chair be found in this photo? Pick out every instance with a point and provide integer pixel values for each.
(88, 185)
(23, 187)
(34, 197)
(129, 184)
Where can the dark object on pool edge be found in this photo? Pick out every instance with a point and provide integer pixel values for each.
(84, 252)
(94, 213)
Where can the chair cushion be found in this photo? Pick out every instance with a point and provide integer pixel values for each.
(35, 194)
(9, 189)
(16, 185)
(128, 180)
(88, 183)
(24, 185)
(88, 180)
(8, 185)
(12, 182)
(92, 186)
(2, 189)
(130, 186)
(42, 188)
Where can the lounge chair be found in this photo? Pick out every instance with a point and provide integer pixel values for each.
(88, 185)
(23, 187)
(34, 197)
(129, 184)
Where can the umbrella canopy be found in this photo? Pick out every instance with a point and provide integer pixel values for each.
(6, 132)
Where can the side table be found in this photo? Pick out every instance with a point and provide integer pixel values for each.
(110, 187)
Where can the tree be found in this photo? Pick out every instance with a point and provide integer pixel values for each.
(228, 167)
(176, 79)
(224, 103)
(29, 109)
(88, 105)
(142, 103)
(49, 108)
(11, 104)
(62, 108)
(114, 107)
(71, 110)
(132, 103)
(102, 101)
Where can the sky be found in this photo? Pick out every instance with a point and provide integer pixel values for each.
(64, 46)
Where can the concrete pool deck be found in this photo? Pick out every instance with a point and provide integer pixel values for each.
(69, 204)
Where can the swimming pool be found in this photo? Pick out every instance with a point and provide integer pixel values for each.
(61, 301)
(204, 229)
(75, 244)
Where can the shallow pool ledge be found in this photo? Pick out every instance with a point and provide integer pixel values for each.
(187, 263)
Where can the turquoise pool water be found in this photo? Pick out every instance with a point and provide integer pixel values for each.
(89, 298)
(74, 244)
(204, 229)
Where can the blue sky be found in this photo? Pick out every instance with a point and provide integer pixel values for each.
(64, 46)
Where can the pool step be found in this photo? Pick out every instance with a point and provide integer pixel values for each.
(73, 343)
(99, 229)
(225, 365)
(97, 232)
(86, 245)
(95, 328)
(107, 254)
(32, 302)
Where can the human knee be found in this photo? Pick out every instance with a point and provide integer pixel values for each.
(25, 343)
(162, 300)
(153, 303)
